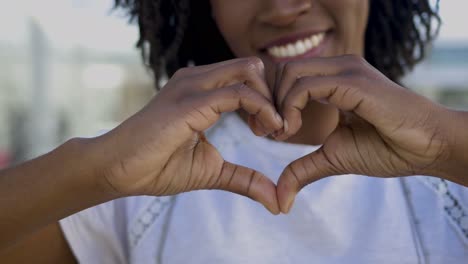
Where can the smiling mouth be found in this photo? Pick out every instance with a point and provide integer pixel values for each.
(296, 48)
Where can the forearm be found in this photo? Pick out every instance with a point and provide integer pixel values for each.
(48, 188)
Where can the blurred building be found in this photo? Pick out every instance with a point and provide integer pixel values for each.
(48, 95)
(443, 76)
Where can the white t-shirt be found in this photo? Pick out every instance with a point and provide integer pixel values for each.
(341, 219)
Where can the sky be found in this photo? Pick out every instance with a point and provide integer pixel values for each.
(455, 21)
(69, 23)
(91, 24)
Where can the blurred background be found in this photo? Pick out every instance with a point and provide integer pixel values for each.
(70, 68)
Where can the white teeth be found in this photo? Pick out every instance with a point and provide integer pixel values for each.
(308, 44)
(297, 48)
(283, 52)
(320, 36)
(300, 47)
(291, 50)
(275, 51)
(315, 40)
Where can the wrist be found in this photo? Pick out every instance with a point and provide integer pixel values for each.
(88, 162)
(456, 166)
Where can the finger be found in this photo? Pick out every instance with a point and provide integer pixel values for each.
(241, 96)
(249, 183)
(211, 105)
(368, 96)
(199, 69)
(250, 71)
(256, 126)
(244, 70)
(343, 92)
(294, 70)
(300, 173)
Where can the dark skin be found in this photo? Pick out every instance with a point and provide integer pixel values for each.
(264, 22)
(384, 130)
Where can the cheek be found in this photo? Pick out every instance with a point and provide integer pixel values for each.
(362, 15)
(351, 17)
(233, 23)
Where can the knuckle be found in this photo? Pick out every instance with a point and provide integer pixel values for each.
(183, 101)
(190, 95)
(354, 63)
(254, 64)
(296, 176)
(254, 179)
(248, 72)
(353, 81)
(241, 90)
(178, 83)
(303, 84)
(181, 72)
(300, 82)
(289, 68)
(175, 90)
(186, 86)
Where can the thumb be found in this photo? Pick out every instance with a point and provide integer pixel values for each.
(250, 183)
(302, 172)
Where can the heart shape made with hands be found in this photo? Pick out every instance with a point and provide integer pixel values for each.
(403, 143)
(388, 131)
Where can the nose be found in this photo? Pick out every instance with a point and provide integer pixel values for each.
(283, 12)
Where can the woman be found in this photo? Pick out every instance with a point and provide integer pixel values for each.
(300, 81)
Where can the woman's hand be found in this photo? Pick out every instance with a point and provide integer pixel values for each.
(385, 130)
(162, 150)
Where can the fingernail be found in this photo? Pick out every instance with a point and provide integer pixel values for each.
(271, 211)
(278, 118)
(264, 132)
(274, 134)
(290, 203)
(286, 126)
(323, 101)
(277, 133)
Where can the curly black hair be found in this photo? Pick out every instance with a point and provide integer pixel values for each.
(176, 32)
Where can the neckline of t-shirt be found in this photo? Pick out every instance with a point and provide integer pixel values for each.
(241, 132)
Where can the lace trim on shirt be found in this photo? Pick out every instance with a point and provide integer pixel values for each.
(147, 217)
(455, 211)
(152, 212)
